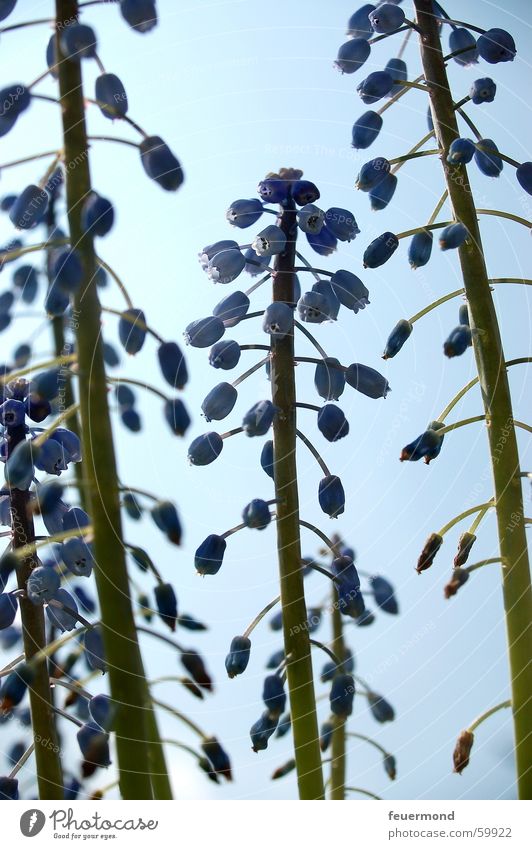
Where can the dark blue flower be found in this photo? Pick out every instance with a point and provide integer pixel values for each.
(381, 194)
(376, 85)
(141, 15)
(204, 332)
(266, 458)
(324, 242)
(103, 711)
(270, 241)
(132, 330)
(496, 45)
(458, 341)
(225, 354)
(111, 96)
(276, 659)
(257, 514)
(278, 320)
(160, 164)
(380, 250)
(15, 685)
(350, 290)
(329, 379)
(78, 41)
(352, 55)
(97, 215)
(259, 418)
(372, 173)
(94, 649)
(219, 402)
(358, 25)
(387, 17)
(366, 129)
(8, 610)
(273, 694)
(285, 724)
(238, 658)
(483, 90)
(420, 249)
(368, 381)
(524, 176)
(341, 223)
(244, 213)
(60, 618)
(232, 308)
(342, 695)
(326, 732)
(459, 39)
(397, 69)
(461, 152)
(381, 710)
(273, 189)
(42, 584)
(210, 251)
(350, 599)
(93, 742)
(172, 364)
(397, 338)
(453, 236)
(218, 757)
(331, 496)
(261, 730)
(332, 423)
(487, 159)
(209, 555)
(8, 788)
(304, 191)
(29, 208)
(165, 516)
(384, 594)
(205, 449)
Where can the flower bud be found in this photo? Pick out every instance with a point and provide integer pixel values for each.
(376, 85)
(273, 189)
(218, 757)
(396, 68)
(103, 711)
(458, 578)
(381, 710)
(177, 416)
(496, 45)
(461, 152)
(342, 695)
(332, 423)
(205, 449)
(380, 250)
(172, 364)
(269, 241)
(132, 330)
(141, 15)
(283, 770)
(266, 458)
(210, 251)
(15, 685)
(462, 750)
(261, 731)
(329, 379)
(420, 249)
(60, 618)
(458, 341)
(164, 514)
(326, 734)
(160, 164)
(426, 446)
(94, 649)
(358, 25)
(487, 159)
(209, 555)
(259, 418)
(232, 308)
(331, 496)
(459, 39)
(204, 332)
(341, 223)
(8, 788)
(94, 744)
(111, 96)
(304, 191)
(285, 724)
(430, 550)
(193, 663)
(381, 194)
(324, 242)
(352, 55)
(278, 320)
(368, 381)
(219, 402)
(8, 610)
(29, 208)
(524, 176)
(453, 236)
(397, 338)
(384, 594)
(465, 544)
(372, 173)
(244, 213)
(42, 584)
(366, 129)
(257, 514)
(238, 658)
(273, 695)
(166, 601)
(387, 17)
(224, 354)
(310, 218)
(390, 767)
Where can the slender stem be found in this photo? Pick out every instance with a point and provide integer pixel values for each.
(320, 534)
(127, 680)
(459, 395)
(414, 230)
(435, 304)
(114, 139)
(368, 740)
(338, 747)
(363, 792)
(462, 423)
(117, 280)
(47, 757)
(474, 129)
(481, 563)
(250, 371)
(296, 639)
(144, 630)
(509, 215)
(253, 624)
(478, 519)
(138, 323)
(469, 512)
(454, 22)
(310, 337)
(55, 361)
(497, 401)
(417, 155)
(315, 453)
(181, 716)
(31, 158)
(483, 716)
(438, 208)
(147, 386)
(20, 763)
(314, 407)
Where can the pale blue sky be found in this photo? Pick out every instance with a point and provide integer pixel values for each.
(238, 89)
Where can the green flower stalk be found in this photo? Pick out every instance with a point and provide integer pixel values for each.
(135, 730)
(497, 402)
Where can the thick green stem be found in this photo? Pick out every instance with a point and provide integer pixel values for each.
(47, 750)
(296, 638)
(497, 404)
(338, 760)
(126, 673)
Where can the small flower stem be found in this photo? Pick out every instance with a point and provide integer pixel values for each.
(138, 323)
(251, 371)
(68, 716)
(459, 395)
(31, 158)
(454, 22)
(411, 153)
(257, 284)
(375, 39)
(114, 139)
(62, 417)
(20, 763)
(233, 432)
(438, 208)
(56, 361)
(181, 716)
(481, 563)
(465, 117)
(397, 96)
(138, 491)
(307, 266)
(435, 304)
(234, 530)
(112, 273)
(334, 657)
(16, 253)
(483, 716)
(363, 792)
(147, 386)
(437, 226)
(72, 688)
(368, 740)
(168, 640)
(417, 155)
(151, 567)
(253, 624)
(296, 640)
(254, 347)
(24, 24)
(127, 679)
(315, 453)
(469, 512)
(462, 423)
(311, 338)
(509, 215)
(300, 405)
(476, 522)
(404, 43)
(320, 534)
